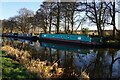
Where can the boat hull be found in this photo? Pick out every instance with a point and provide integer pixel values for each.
(71, 42)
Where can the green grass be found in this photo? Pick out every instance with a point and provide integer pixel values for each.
(13, 70)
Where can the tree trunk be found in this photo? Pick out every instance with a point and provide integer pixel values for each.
(100, 14)
(65, 25)
(98, 20)
(68, 26)
(113, 19)
(50, 23)
(58, 18)
(72, 23)
(45, 29)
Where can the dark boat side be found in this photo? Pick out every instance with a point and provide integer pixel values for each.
(21, 36)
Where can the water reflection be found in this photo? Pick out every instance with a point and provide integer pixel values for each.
(99, 63)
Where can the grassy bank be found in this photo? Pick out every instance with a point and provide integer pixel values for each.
(13, 70)
(19, 64)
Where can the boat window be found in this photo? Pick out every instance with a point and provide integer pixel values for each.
(44, 35)
(90, 39)
(79, 38)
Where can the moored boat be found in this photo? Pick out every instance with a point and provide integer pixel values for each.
(14, 35)
(28, 37)
(83, 40)
(20, 36)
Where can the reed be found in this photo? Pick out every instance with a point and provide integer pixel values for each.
(37, 66)
(84, 75)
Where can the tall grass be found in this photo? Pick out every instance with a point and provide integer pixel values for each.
(42, 68)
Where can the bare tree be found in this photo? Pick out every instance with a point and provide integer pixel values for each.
(70, 14)
(112, 11)
(44, 15)
(23, 20)
(9, 25)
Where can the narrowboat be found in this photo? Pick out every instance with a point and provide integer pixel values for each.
(81, 40)
(21, 36)
(10, 35)
(27, 37)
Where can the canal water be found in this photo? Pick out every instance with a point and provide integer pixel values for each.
(97, 62)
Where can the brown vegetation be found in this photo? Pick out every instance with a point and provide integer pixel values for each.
(43, 69)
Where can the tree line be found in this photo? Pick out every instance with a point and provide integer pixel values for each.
(65, 17)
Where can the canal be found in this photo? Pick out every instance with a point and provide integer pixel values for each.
(96, 62)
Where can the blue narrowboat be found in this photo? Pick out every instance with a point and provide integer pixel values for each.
(72, 38)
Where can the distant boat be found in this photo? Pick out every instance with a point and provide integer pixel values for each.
(28, 37)
(20, 36)
(81, 39)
